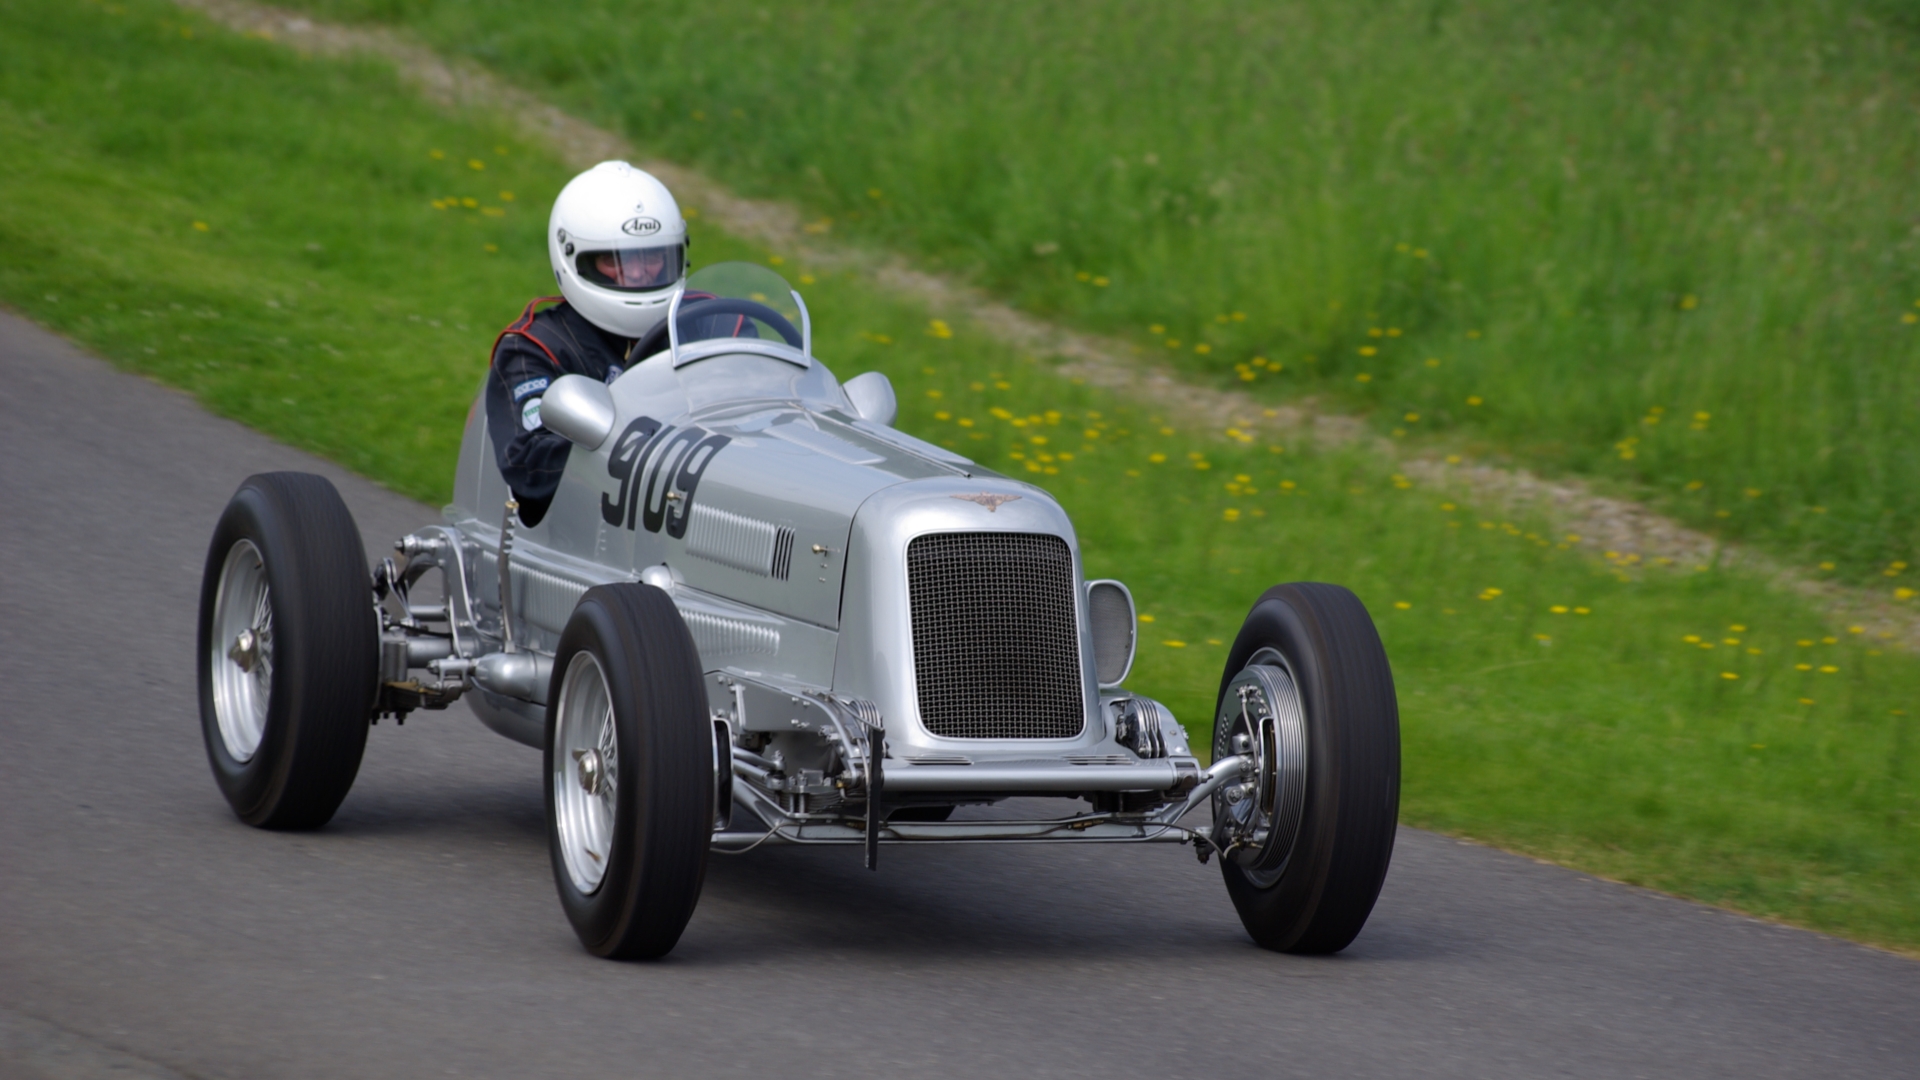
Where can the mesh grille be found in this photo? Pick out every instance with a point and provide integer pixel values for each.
(995, 652)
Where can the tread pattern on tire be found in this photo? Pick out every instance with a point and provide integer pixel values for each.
(664, 820)
(326, 650)
(1353, 787)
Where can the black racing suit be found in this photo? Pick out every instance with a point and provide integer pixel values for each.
(530, 354)
(539, 348)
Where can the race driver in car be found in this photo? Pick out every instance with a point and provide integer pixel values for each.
(618, 246)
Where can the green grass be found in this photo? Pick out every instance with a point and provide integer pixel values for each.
(331, 304)
(1590, 215)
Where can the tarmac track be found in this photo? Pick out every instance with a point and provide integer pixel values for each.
(146, 933)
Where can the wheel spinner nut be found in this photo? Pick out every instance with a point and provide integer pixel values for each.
(590, 770)
(245, 650)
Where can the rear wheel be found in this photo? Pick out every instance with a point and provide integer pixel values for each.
(629, 762)
(289, 651)
(1308, 695)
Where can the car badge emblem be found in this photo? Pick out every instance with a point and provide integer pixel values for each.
(987, 499)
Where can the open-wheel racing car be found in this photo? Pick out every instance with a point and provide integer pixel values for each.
(755, 612)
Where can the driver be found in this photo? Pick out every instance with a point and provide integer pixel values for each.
(618, 246)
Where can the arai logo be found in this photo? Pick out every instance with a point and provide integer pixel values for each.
(641, 226)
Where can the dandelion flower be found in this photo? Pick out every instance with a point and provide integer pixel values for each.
(1363, 377)
(1582, 611)
(1803, 667)
(1806, 701)
(1433, 361)
(1402, 605)
(1828, 669)
(201, 226)
(1175, 644)
(1156, 329)
(1146, 618)
(1368, 350)
(1729, 675)
(1856, 629)
(1156, 457)
(1558, 609)
(1230, 514)
(1691, 639)
(1475, 401)
(1203, 348)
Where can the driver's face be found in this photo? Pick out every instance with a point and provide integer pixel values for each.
(636, 271)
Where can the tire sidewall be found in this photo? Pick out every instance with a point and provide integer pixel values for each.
(598, 917)
(1287, 914)
(251, 786)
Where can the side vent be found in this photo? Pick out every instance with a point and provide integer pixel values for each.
(783, 553)
(732, 539)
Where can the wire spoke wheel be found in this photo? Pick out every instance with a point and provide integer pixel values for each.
(629, 762)
(1308, 696)
(241, 652)
(586, 773)
(289, 651)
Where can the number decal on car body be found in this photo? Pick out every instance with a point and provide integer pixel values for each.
(651, 461)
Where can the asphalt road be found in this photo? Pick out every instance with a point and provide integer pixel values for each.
(146, 933)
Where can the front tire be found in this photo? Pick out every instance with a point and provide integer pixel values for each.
(288, 650)
(629, 765)
(1308, 692)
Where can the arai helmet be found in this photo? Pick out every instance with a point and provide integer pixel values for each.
(618, 246)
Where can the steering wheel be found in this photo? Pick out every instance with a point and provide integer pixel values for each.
(656, 338)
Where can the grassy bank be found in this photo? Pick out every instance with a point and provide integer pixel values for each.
(1675, 244)
(1653, 725)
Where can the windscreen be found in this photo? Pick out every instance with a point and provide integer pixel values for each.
(738, 299)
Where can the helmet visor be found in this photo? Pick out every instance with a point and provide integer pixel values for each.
(634, 269)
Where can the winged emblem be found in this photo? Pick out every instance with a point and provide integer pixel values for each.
(987, 499)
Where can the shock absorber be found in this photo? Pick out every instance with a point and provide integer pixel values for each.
(507, 518)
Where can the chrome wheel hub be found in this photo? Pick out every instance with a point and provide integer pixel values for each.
(242, 651)
(1262, 716)
(586, 773)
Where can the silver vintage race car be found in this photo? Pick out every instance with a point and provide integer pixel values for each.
(756, 612)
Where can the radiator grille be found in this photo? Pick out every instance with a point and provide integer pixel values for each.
(995, 652)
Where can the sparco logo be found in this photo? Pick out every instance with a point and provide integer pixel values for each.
(657, 468)
(641, 226)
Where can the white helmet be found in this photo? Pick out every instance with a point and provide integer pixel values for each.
(618, 246)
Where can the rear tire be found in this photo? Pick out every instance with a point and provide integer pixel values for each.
(629, 765)
(288, 650)
(1310, 883)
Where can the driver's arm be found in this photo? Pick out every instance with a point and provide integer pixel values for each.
(531, 458)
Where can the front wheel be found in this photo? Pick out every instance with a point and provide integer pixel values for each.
(288, 651)
(1308, 695)
(629, 764)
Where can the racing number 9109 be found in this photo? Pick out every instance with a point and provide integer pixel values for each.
(650, 462)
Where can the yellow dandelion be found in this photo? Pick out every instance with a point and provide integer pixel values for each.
(201, 226)
(873, 193)
(1393, 331)
(1173, 343)
(1203, 348)
(476, 164)
(492, 248)
(935, 394)
(1806, 701)
(1582, 611)
(1175, 644)
(1903, 593)
(1156, 457)
(1856, 629)
(1402, 605)
(939, 328)
(1156, 329)
(1689, 302)
(1102, 282)
(806, 279)
(1433, 361)
(1558, 609)
(1146, 618)
(437, 155)
(1803, 667)
(1368, 350)
(1230, 514)
(943, 415)
(1475, 401)
(1828, 669)
(1691, 639)
(1412, 418)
